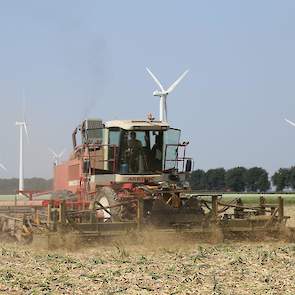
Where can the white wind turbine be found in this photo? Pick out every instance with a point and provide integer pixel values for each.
(57, 157)
(162, 93)
(22, 126)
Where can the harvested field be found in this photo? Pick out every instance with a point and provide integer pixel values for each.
(234, 268)
(171, 267)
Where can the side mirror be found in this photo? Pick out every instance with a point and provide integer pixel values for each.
(86, 166)
(188, 165)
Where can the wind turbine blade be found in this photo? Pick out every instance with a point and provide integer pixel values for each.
(172, 87)
(155, 79)
(3, 167)
(26, 131)
(53, 152)
(23, 105)
(61, 154)
(290, 122)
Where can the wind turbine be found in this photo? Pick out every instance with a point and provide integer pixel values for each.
(290, 122)
(56, 157)
(162, 93)
(22, 126)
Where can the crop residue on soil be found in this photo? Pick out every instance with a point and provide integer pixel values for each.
(235, 268)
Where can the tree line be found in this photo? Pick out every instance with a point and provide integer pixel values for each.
(238, 179)
(10, 186)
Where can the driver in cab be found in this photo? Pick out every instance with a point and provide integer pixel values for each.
(135, 150)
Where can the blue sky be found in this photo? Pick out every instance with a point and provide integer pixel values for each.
(88, 57)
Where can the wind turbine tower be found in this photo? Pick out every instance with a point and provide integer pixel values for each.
(22, 125)
(162, 93)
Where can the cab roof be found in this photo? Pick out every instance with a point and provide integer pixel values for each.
(137, 124)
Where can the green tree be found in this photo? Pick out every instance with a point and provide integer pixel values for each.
(263, 182)
(198, 180)
(281, 179)
(215, 179)
(235, 179)
(257, 180)
(291, 178)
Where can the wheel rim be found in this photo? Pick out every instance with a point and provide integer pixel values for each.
(105, 215)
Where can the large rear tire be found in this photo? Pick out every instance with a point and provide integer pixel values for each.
(107, 198)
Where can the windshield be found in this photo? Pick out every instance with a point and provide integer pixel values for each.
(141, 152)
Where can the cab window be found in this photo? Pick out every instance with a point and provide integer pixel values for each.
(171, 141)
